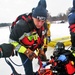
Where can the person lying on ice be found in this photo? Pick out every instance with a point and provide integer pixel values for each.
(61, 54)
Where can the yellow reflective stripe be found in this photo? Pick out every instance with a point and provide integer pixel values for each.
(22, 49)
(19, 48)
(45, 40)
(73, 53)
(35, 37)
(15, 43)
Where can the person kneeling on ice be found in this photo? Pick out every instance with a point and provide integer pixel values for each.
(28, 35)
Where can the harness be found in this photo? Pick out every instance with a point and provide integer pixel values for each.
(34, 39)
(25, 17)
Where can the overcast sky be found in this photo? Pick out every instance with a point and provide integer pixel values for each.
(10, 9)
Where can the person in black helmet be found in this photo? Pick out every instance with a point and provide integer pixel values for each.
(62, 60)
(70, 59)
(60, 49)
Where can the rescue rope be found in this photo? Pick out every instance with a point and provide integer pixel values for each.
(15, 63)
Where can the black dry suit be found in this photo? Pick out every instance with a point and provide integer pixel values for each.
(66, 65)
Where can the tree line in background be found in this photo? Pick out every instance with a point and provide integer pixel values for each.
(60, 16)
(4, 24)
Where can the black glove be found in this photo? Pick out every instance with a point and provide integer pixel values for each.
(6, 50)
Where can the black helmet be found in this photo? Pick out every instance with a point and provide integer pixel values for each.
(59, 46)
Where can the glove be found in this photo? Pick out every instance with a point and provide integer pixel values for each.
(6, 50)
(44, 65)
(62, 58)
(42, 55)
(30, 54)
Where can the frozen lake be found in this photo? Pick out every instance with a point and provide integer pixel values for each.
(57, 30)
